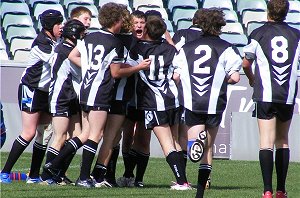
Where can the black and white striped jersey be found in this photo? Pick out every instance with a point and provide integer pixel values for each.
(155, 87)
(184, 36)
(204, 65)
(124, 87)
(38, 72)
(275, 47)
(98, 51)
(61, 90)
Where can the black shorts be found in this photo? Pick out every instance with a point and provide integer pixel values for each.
(134, 114)
(268, 110)
(157, 118)
(72, 108)
(209, 120)
(87, 109)
(32, 100)
(118, 107)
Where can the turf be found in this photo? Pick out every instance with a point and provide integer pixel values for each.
(229, 179)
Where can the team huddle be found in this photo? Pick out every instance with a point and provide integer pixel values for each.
(132, 78)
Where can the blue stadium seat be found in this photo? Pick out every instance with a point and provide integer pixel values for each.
(102, 2)
(14, 8)
(32, 3)
(294, 25)
(170, 27)
(184, 23)
(293, 17)
(235, 39)
(41, 7)
(294, 6)
(249, 16)
(172, 4)
(223, 4)
(66, 3)
(231, 16)
(253, 25)
(20, 31)
(16, 20)
(21, 54)
(154, 3)
(183, 13)
(235, 27)
(163, 11)
(258, 5)
(20, 43)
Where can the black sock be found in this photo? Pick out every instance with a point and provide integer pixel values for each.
(282, 158)
(67, 162)
(173, 160)
(99, 172)
(185, 157)
(141, 165)
(72, 146)
(17, 149)
(129, 163)
(203, 174)
(51, 155)
(266, 165)
(88, 154)
(38, 155)
(183, 162)
(111, 167)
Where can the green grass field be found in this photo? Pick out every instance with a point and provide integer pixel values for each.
(229, 179)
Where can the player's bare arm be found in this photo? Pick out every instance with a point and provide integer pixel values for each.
(248, 70)
(74, 57)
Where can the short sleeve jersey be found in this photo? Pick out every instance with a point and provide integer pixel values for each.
(98, 51)
(204, 65)
(184, 36)
(38, 73)
(61, 89)
(275, 47)
(155, 87)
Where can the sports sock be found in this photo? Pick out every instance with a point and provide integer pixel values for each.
(51, 155)
(73, 145)
(38, 155)
(182, 164)
(17, 149)
(203, 174)
(282, 158)
(266, 165)
(99, 172)
(67, 162)
(173, 160)
(111, 167)
(129, 163)
(88, 154)
(184, 152)
(141, 165)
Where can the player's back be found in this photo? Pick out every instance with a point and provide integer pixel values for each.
(184, 36)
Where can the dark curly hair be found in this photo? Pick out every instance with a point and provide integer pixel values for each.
(278, 9)
(210, 20)
(109, 14)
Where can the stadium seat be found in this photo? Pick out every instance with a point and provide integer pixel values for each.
(16, 20)
(294, 6)
(41, 7)
(14, 8)
(21, 54)
(184, 23)
(95, 23)
(170, 27)
(230, 16)
(258, 5)
(223, 4)
(248, 16)
(92, 8)
(32, 3)
(66, 3)
(235, 39)
(20, 43)
(154, 3)
(3, 54)
(163, 11)
(20, 31)
(172, 4)
(294, 25)
(293, 17)
(253, 25)
(102, 2)
(235, 27)
(183, 13)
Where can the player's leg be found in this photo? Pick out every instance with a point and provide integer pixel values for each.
(141, 147)
(112, 130)
(97, 121)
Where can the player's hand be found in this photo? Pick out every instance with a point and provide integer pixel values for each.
(145, 64)
(176, 77)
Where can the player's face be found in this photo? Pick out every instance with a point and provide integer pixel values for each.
(57, 30)
(138, 27)
(85, 18)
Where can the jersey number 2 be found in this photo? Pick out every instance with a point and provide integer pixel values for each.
(199, 67)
